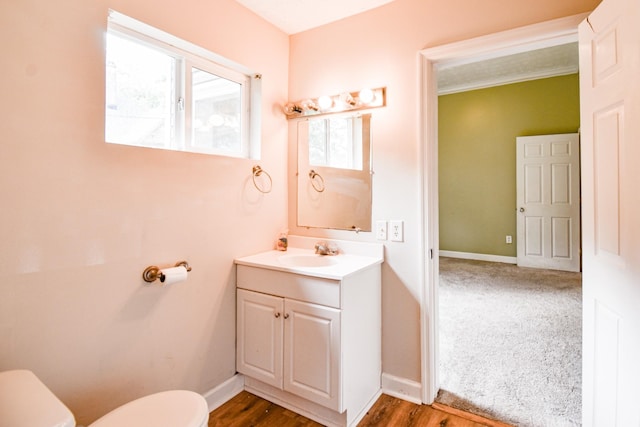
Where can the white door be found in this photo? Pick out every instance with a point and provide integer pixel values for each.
(312, 352)
(548, 201)
(610, 119)
(259, 335)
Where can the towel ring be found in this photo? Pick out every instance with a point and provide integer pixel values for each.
(317, 184)
(257, 171)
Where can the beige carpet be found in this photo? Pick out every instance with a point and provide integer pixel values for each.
(510, 342)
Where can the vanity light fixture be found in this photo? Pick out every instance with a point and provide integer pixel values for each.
(346, 101)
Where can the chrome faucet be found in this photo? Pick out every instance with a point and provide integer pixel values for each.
(324, 248)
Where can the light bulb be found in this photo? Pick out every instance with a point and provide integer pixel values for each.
(325, 102)
(366, 96)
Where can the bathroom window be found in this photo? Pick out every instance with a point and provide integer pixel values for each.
(336, 142)
(164, 92)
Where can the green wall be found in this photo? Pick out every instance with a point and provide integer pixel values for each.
(477, 156)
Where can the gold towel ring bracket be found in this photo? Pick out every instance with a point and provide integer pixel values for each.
(317, 182)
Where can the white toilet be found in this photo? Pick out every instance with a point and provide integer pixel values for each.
(26, 402)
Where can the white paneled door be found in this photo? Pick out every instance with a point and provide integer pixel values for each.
(548, 199)
(610, 119)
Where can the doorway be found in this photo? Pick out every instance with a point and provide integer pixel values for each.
(500, 346)
(537, 36)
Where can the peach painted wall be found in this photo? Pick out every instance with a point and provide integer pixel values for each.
(380, 48)
(81, 219)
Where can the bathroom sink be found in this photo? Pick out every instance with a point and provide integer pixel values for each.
(307, 260)
(301, 259)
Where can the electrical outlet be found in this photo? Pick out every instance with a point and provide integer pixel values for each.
(381, 230)
(397, 231)
(509, 240)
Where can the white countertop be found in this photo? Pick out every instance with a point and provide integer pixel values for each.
(304, 261)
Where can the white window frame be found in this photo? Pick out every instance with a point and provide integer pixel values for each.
(187, 56)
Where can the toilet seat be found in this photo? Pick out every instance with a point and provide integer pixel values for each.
(175, 408)
(26, 402)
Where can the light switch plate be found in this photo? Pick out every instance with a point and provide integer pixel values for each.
(381, 230)
(396, 232)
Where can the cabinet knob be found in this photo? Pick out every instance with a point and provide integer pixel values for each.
(277, 315)
(286, 315)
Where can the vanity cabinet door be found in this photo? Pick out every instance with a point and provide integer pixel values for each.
(312, 352)
(259, 335)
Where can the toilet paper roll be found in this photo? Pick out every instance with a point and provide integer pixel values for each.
(169, 276)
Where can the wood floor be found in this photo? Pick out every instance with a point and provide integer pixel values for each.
(247, 410)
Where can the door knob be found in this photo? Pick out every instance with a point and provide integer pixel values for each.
(521, 209)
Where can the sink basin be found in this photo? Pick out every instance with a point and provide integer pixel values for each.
(310, 260)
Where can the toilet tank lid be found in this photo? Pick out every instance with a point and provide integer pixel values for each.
(26, 402)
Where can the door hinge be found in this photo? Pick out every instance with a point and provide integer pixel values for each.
(430, 253)
(590, 26)
(180, 104)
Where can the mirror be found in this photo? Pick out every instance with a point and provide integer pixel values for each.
(334, 172)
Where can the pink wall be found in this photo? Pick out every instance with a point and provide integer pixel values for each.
(81, 219)
(380, 48)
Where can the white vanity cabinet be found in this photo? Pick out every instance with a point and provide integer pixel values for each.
(291, 345)
(311, 344)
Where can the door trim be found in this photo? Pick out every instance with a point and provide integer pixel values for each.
(545, 34)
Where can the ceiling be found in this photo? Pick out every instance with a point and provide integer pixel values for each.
(294, 16)
(534, 64)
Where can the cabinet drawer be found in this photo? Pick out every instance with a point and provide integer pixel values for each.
(289, 285)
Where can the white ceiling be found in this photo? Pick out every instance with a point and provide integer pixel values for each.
(294, 16)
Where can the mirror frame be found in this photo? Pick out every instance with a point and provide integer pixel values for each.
(334, 198)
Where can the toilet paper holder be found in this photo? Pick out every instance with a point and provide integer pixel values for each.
(151, 273)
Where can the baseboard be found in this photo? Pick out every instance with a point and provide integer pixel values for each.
(480, 257)
(402, 388)
(218, 396)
